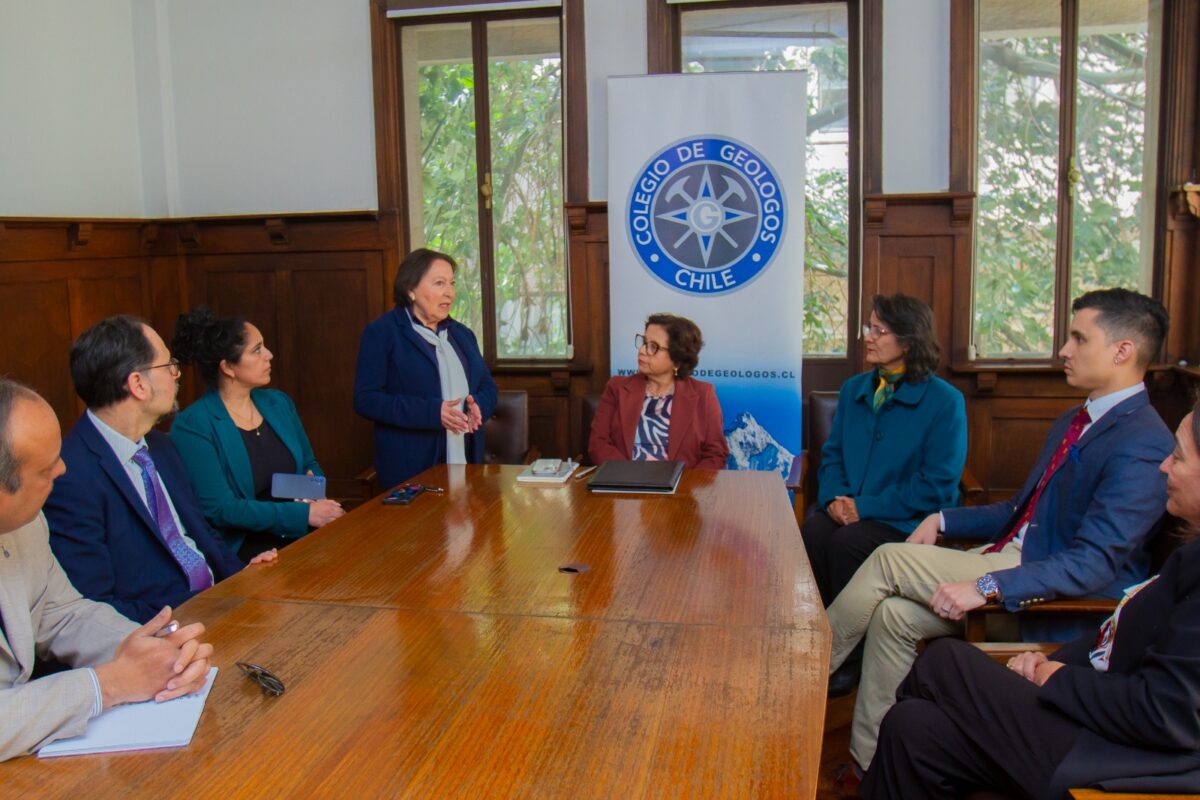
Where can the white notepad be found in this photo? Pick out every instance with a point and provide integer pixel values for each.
(138, 726)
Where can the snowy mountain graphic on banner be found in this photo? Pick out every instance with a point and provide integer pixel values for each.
(751, 446)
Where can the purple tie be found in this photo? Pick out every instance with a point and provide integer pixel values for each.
(199, 578)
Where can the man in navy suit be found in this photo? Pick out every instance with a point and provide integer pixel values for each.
(124, 520)
(1077, 528)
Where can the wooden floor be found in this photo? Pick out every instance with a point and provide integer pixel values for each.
(835, 749)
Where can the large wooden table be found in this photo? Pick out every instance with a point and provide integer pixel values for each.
(437, 651)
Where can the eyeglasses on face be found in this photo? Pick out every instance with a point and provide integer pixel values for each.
(171, 366)
(874, 331)
(262, 676)
(640, 341)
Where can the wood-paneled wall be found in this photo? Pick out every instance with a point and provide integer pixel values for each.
(921, 245)
(57, 278)
(312, 283)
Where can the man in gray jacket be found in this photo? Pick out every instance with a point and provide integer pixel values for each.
(114, 661)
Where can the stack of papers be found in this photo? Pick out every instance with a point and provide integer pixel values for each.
(138, 726)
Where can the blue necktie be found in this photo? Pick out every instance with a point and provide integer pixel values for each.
(192, 562)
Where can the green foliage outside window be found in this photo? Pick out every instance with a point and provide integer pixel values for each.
(1019, 170)
(827, 170)
(528, 253)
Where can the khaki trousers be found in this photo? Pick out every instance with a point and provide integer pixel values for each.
(888, 601)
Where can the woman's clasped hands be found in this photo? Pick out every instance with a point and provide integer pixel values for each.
(459, 419)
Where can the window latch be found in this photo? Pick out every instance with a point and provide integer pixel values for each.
(1073, 176)
(485, 189)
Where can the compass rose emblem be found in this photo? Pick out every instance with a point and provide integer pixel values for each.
(706, 215)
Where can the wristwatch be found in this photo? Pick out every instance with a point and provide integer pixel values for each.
(988, 587)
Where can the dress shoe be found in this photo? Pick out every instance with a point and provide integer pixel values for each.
(844, 680)
(846, 780)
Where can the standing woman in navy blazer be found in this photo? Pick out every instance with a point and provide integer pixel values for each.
(421, 378)
(239, 434)
(662, 413)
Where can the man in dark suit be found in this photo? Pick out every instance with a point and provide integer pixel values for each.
(124, 520)
(1077, 528)
(114, 661)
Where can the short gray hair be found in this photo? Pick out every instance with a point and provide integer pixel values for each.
(10, 467)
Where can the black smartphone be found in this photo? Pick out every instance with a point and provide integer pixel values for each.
(402, 495)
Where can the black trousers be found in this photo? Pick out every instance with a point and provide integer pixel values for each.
(964, 722)
(837, 551)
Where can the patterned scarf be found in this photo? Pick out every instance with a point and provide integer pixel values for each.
(887, 386)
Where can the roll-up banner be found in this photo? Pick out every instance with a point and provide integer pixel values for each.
(706, 220)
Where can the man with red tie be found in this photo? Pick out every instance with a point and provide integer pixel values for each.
(124, 520)
(1078, 527)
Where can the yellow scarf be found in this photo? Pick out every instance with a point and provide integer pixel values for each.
(887, 385)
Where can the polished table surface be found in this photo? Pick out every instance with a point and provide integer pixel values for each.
(437, 650)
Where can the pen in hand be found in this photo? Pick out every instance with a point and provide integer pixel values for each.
(168, 629)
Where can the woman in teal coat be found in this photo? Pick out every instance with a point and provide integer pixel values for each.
(239, 433)
(897, 448)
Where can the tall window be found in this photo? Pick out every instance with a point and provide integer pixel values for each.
(812, 37)
(1068, 127)
(484, 172)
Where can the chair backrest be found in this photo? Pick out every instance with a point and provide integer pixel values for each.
(821, 406)
(506, 432)
(591, 402)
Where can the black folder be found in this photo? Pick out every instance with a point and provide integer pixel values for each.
(652, 477)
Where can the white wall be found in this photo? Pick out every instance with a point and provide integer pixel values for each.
(916, 87)
(273, 106)
(916, 95)
(152, 108)
(69, 144)
(131, 108)
(615, 32)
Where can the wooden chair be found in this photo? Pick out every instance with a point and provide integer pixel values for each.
(1162, 544)
(802, 478)
(506, 432)
(591, 402)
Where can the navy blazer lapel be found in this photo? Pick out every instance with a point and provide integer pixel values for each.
(107, 460)
(231, 444)
(400, 316)
(1114, 415)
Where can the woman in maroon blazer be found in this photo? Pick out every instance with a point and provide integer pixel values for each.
(661, 414)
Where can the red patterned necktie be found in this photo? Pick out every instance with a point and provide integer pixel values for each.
(1060, 455)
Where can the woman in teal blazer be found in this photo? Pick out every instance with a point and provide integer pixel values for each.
(239, 433)
(896, 451)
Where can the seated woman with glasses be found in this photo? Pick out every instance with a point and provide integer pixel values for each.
(1118, 709)
(896, 450)
(239, 434)
(661, 414)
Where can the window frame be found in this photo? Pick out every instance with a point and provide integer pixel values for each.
(964, 173)
(664, 55)
(392, 169)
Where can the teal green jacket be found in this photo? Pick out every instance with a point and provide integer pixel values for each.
(219, 466)
(901, 464)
